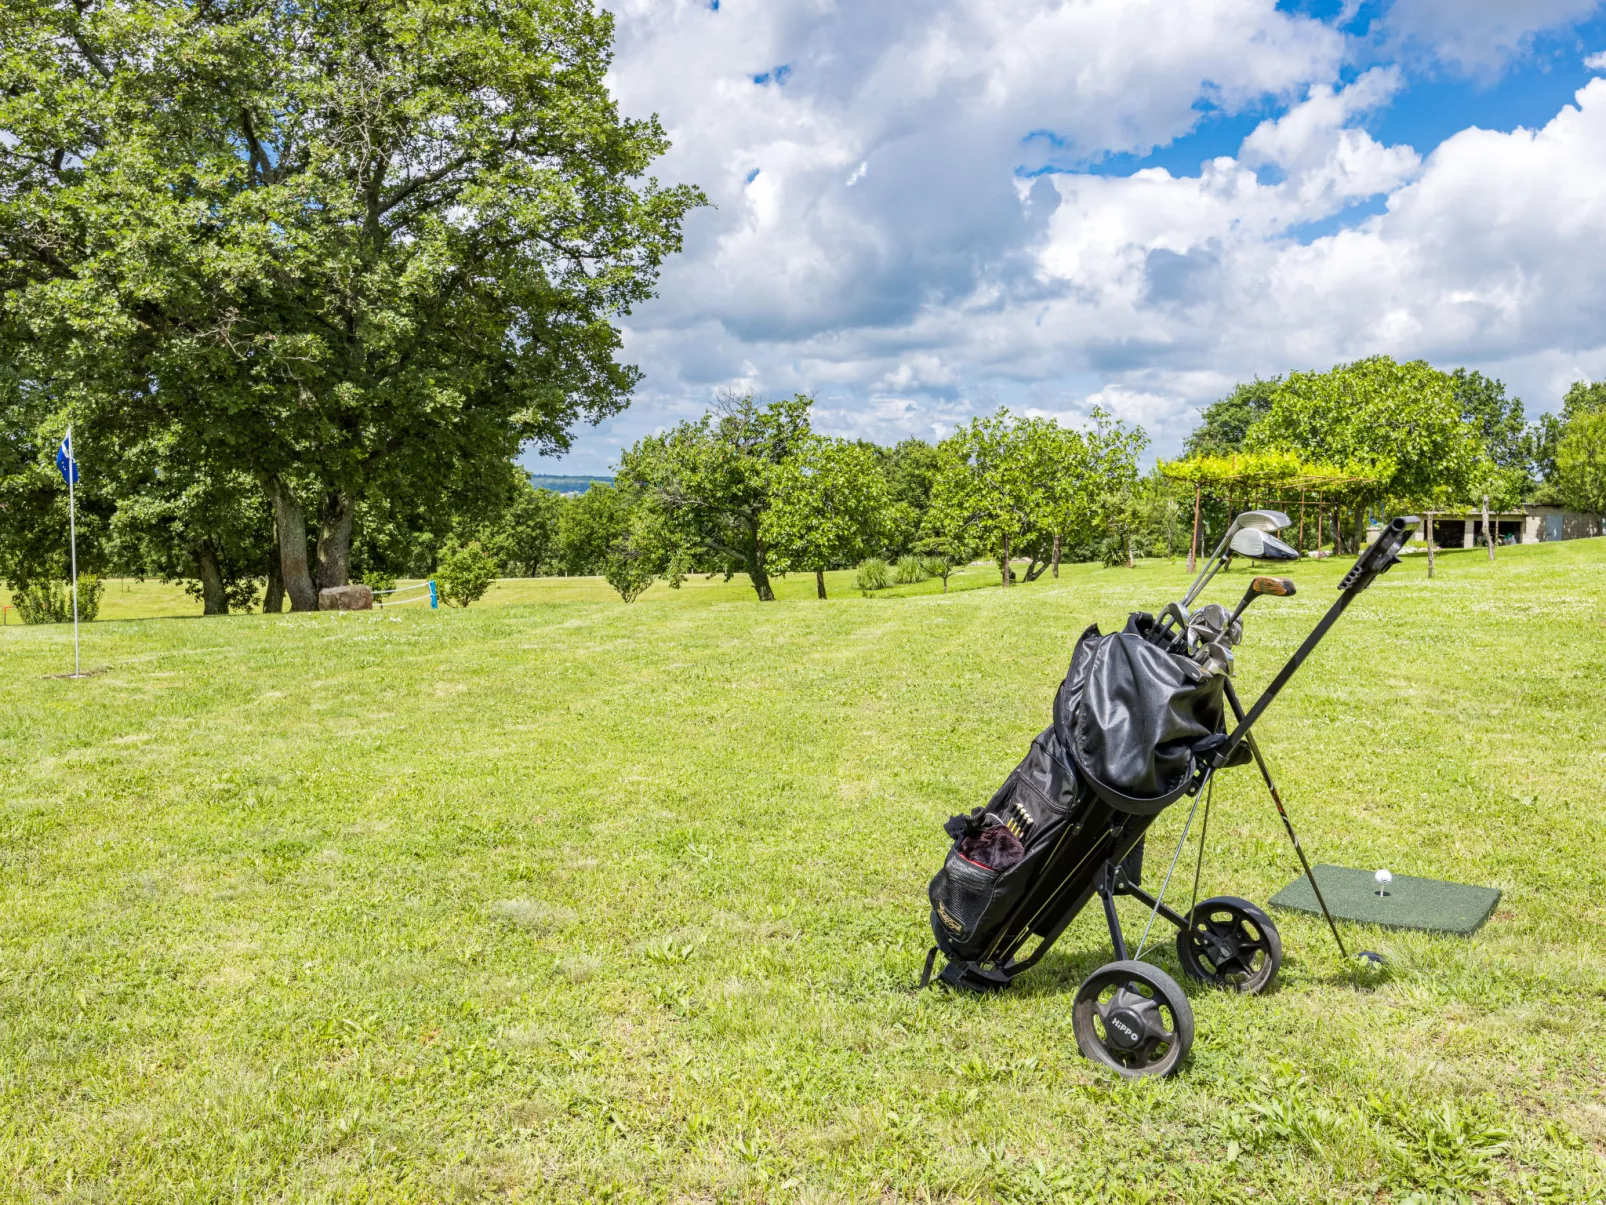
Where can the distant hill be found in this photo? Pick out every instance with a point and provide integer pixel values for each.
(566, 485)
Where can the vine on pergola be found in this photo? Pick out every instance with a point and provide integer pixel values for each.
(1269, 477)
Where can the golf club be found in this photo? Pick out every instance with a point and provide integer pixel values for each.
(1378, 557)
(1266, 521)
(1281, 587)
(1260, 546)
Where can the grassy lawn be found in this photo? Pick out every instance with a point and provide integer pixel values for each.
(131, 598)
(563, 899)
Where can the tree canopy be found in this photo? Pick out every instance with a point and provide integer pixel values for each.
(1226, 423)
(709, 484)
(830, 500)
(1399, 424)
(348, 249)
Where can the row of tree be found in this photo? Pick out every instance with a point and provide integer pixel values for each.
(751, 488)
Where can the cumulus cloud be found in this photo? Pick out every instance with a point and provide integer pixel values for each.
(911, 220)
(1479, 36)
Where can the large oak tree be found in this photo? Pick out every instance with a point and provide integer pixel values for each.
(351, 249)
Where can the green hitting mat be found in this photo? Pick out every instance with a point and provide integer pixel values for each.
(1408, 903)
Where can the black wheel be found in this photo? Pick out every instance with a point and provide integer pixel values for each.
(1133, 1018)
(1231, 944)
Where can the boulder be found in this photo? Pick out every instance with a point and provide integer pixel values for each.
(346, 598)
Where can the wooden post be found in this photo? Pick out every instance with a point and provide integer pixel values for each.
(1301, 522)
(1193, 548)
(1488, 536)
(1430, 543)
(1318, 522)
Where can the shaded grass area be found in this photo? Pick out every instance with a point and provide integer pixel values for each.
(568, 899)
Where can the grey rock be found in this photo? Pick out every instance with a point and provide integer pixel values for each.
(346, 598)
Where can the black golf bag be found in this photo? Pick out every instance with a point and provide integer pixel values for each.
(1132, 722)
(1140, 721)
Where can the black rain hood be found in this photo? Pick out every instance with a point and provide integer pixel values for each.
(1136, 718)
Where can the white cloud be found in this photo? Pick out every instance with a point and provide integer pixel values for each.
(922, 239)
(1479, 36)
(1597, 61)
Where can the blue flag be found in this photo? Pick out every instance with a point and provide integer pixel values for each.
(65, 461)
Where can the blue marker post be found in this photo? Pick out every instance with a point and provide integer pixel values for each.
(434, 598)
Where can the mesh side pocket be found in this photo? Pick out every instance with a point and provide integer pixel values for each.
(960, 896)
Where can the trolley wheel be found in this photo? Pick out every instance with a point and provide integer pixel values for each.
(1231, 944)
(1132, 1018)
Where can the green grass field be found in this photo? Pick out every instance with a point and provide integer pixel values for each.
(563, 899)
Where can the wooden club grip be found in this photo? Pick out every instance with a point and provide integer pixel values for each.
(1282, 587)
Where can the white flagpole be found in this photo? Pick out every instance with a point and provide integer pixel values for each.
(72, 527)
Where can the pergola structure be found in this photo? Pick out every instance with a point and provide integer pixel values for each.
(1265, 479)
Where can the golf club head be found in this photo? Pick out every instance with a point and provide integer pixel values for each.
(1281, 587)
(1262, 520)
(1261, 546)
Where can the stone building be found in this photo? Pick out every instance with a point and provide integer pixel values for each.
(1528, 525)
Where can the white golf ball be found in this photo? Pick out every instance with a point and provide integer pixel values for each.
(1383, 877)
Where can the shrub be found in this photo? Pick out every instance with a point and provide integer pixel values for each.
(51, 602)
(628, 572)
(909, 569)
(378, 579)
(872, 575)
(465, 573)
(934, 566)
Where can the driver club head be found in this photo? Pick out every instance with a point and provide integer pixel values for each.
(1259, 545)
(1262, 520)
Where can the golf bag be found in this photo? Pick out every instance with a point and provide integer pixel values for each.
(1139, 722)
(1132, 721)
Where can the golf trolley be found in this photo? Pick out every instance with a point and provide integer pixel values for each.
(1140, 722)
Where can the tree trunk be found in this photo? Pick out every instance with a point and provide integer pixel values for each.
(1488, 536)
(1056, 554)
(1430, 544)
(213, 600)
(758, 574)
(819, 581)
(291, 522)
(1003, 564)
(1193, 548)
(1301, 522)
(1130, 563)
(1360, 527)
(273, 599)
(334, 540)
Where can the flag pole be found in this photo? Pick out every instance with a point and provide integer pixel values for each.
(72, 528)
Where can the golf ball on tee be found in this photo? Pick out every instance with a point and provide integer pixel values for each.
(1383, 878)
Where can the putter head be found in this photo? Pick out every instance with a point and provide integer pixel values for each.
(1262, 520)
(1260, 545)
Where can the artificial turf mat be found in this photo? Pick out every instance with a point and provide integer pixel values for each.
(1411, 903)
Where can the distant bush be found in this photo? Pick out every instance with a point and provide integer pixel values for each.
(872, 575)
(51, 602)
(378, 579)
(465, 573)
(628, 572)
(934, 566)
(909, 569)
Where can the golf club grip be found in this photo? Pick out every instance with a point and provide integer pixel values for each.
(1279, 587)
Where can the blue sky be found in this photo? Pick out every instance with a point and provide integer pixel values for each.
(926, 211)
